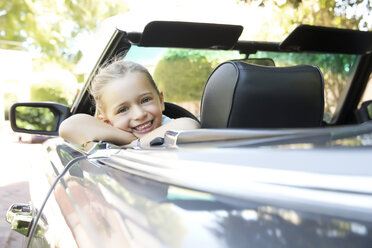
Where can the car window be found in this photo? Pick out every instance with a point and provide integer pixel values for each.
(181, 73)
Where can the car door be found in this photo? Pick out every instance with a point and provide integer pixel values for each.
(49, 227)
(95, 203)
(192, 198)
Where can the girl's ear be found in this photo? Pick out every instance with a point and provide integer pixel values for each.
(104, 119)
(161, 98)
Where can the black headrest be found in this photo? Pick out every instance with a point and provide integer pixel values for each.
(241, 95)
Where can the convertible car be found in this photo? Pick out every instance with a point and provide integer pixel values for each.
(282, 158)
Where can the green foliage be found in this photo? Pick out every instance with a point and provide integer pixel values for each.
(352, 14)
(53, 91)
(50, 26)
(280, 17)
(41, 119)
(182, 74)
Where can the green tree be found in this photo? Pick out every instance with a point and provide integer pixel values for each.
(283, 16)
(51, 26)
(55, 85)
(53, 91)
(353, 14)
(182, 74)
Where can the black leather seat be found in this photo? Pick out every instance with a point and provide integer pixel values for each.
(241, 95)
(174, 111)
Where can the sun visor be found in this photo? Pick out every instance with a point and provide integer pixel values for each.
(309, 38)
(190, 35)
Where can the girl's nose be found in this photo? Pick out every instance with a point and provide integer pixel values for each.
(138, 113)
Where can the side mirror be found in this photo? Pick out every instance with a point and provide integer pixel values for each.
(365, 111)
(38, 117)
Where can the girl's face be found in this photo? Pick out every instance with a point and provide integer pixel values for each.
(132, 104)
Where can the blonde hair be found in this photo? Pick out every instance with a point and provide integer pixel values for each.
(114, 70)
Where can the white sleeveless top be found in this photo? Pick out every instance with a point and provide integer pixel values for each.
(165, 119)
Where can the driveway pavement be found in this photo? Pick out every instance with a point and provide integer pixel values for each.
(16, 160)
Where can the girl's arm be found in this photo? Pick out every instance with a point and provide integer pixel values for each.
(176, 124)
(82, 128)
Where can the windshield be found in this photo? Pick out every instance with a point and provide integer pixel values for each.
(185, 86)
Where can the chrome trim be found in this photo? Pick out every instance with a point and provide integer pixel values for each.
(21, 216)
(264, 135)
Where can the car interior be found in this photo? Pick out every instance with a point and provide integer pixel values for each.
(250, 87)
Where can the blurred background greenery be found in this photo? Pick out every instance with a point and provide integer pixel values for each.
(45, 39)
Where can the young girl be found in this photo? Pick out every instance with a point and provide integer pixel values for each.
(128, 109)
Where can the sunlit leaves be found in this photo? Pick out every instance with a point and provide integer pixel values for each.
(286, 14)
(47, 26)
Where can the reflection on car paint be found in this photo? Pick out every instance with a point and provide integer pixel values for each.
(111, 207)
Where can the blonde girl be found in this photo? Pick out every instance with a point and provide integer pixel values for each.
(129, 109)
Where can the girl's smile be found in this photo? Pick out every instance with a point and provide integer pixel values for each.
(132, 104)
(144, 128)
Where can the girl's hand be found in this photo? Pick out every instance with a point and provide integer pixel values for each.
(82, 128)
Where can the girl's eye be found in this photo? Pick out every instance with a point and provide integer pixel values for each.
(146, 99)
(123, 109)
